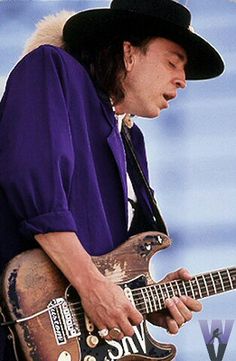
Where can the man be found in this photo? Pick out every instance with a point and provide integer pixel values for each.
(64, 180)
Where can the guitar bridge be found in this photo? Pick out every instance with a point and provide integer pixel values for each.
(63, 320)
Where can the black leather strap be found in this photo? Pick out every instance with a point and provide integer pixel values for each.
(157, 218)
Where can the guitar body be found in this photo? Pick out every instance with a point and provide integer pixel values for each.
(31, 283)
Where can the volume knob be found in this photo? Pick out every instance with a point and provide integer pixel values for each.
(89, 358)
(92, 341)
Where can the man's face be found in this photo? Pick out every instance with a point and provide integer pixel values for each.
(153, 77)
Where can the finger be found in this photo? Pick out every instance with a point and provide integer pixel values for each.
(184, 274)
(126, 327)
(125, 321)
(171, 305)
(181, 273)
(171, 326)
(193, 305)
(183, 310)
(134, 316)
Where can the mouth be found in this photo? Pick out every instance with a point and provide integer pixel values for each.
(169, 96)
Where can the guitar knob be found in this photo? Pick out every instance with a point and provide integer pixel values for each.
(92, 341)
(89, 358)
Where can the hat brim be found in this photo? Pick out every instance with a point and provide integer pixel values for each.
(97, 27)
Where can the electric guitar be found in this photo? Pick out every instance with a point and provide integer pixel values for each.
(46, 319)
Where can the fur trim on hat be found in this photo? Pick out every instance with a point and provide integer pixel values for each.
(48, 31)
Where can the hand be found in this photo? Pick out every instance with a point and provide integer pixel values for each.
(107, 307)
(178, 309)
(104, 302)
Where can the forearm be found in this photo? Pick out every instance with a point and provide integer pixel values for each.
(67, 252)
(104, 302)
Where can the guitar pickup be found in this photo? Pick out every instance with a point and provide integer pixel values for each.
(63, 320)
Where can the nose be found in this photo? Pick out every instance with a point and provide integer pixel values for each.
(180, 80)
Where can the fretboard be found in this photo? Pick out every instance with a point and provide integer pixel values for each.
(152, 298)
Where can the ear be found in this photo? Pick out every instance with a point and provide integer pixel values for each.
(129, 58)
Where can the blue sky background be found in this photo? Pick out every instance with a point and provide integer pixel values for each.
(192, 155)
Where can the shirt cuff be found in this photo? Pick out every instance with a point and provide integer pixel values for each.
(61, 221)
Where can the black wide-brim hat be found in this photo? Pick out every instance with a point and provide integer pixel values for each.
(164, 18)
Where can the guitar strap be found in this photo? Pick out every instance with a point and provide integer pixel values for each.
(158, 224)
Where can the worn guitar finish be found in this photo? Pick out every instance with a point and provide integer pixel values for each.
(61, 332)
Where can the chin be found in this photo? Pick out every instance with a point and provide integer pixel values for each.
(153, 114)
(149, 113)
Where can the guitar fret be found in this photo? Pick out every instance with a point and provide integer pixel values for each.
(171, 291)
(177, 285)
(226, 280)
(199, 287)
(174, 288)
(192, 290)
(154, 299)
(213, 283)
(230, 281)
(144, 299)
(163, 286)
(174, 293)
(166, 289)
(221, 280)
(210, 284)
(217, 281)
(138, 300)
(185, 290)
(162, 294)
(149, 299)
(158, 298)
(233, 276)
(205, 283)
(195, 288)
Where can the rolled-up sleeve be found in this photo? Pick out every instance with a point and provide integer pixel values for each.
(36, 150)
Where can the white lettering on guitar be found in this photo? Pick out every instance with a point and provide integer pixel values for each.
(126, 344)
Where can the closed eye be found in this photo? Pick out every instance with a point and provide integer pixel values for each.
(172, 64)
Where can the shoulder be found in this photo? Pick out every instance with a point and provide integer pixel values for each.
(52, 66)
(49, 56)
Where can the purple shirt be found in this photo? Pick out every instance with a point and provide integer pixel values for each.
(62, 160)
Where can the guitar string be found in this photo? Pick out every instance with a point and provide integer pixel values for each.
(141, 299)
(210, 288)
(141, 308)
(156, 304)
(152, 304)
(198, 285)
(195, 282)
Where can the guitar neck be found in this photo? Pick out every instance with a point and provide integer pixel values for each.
(152, 298)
